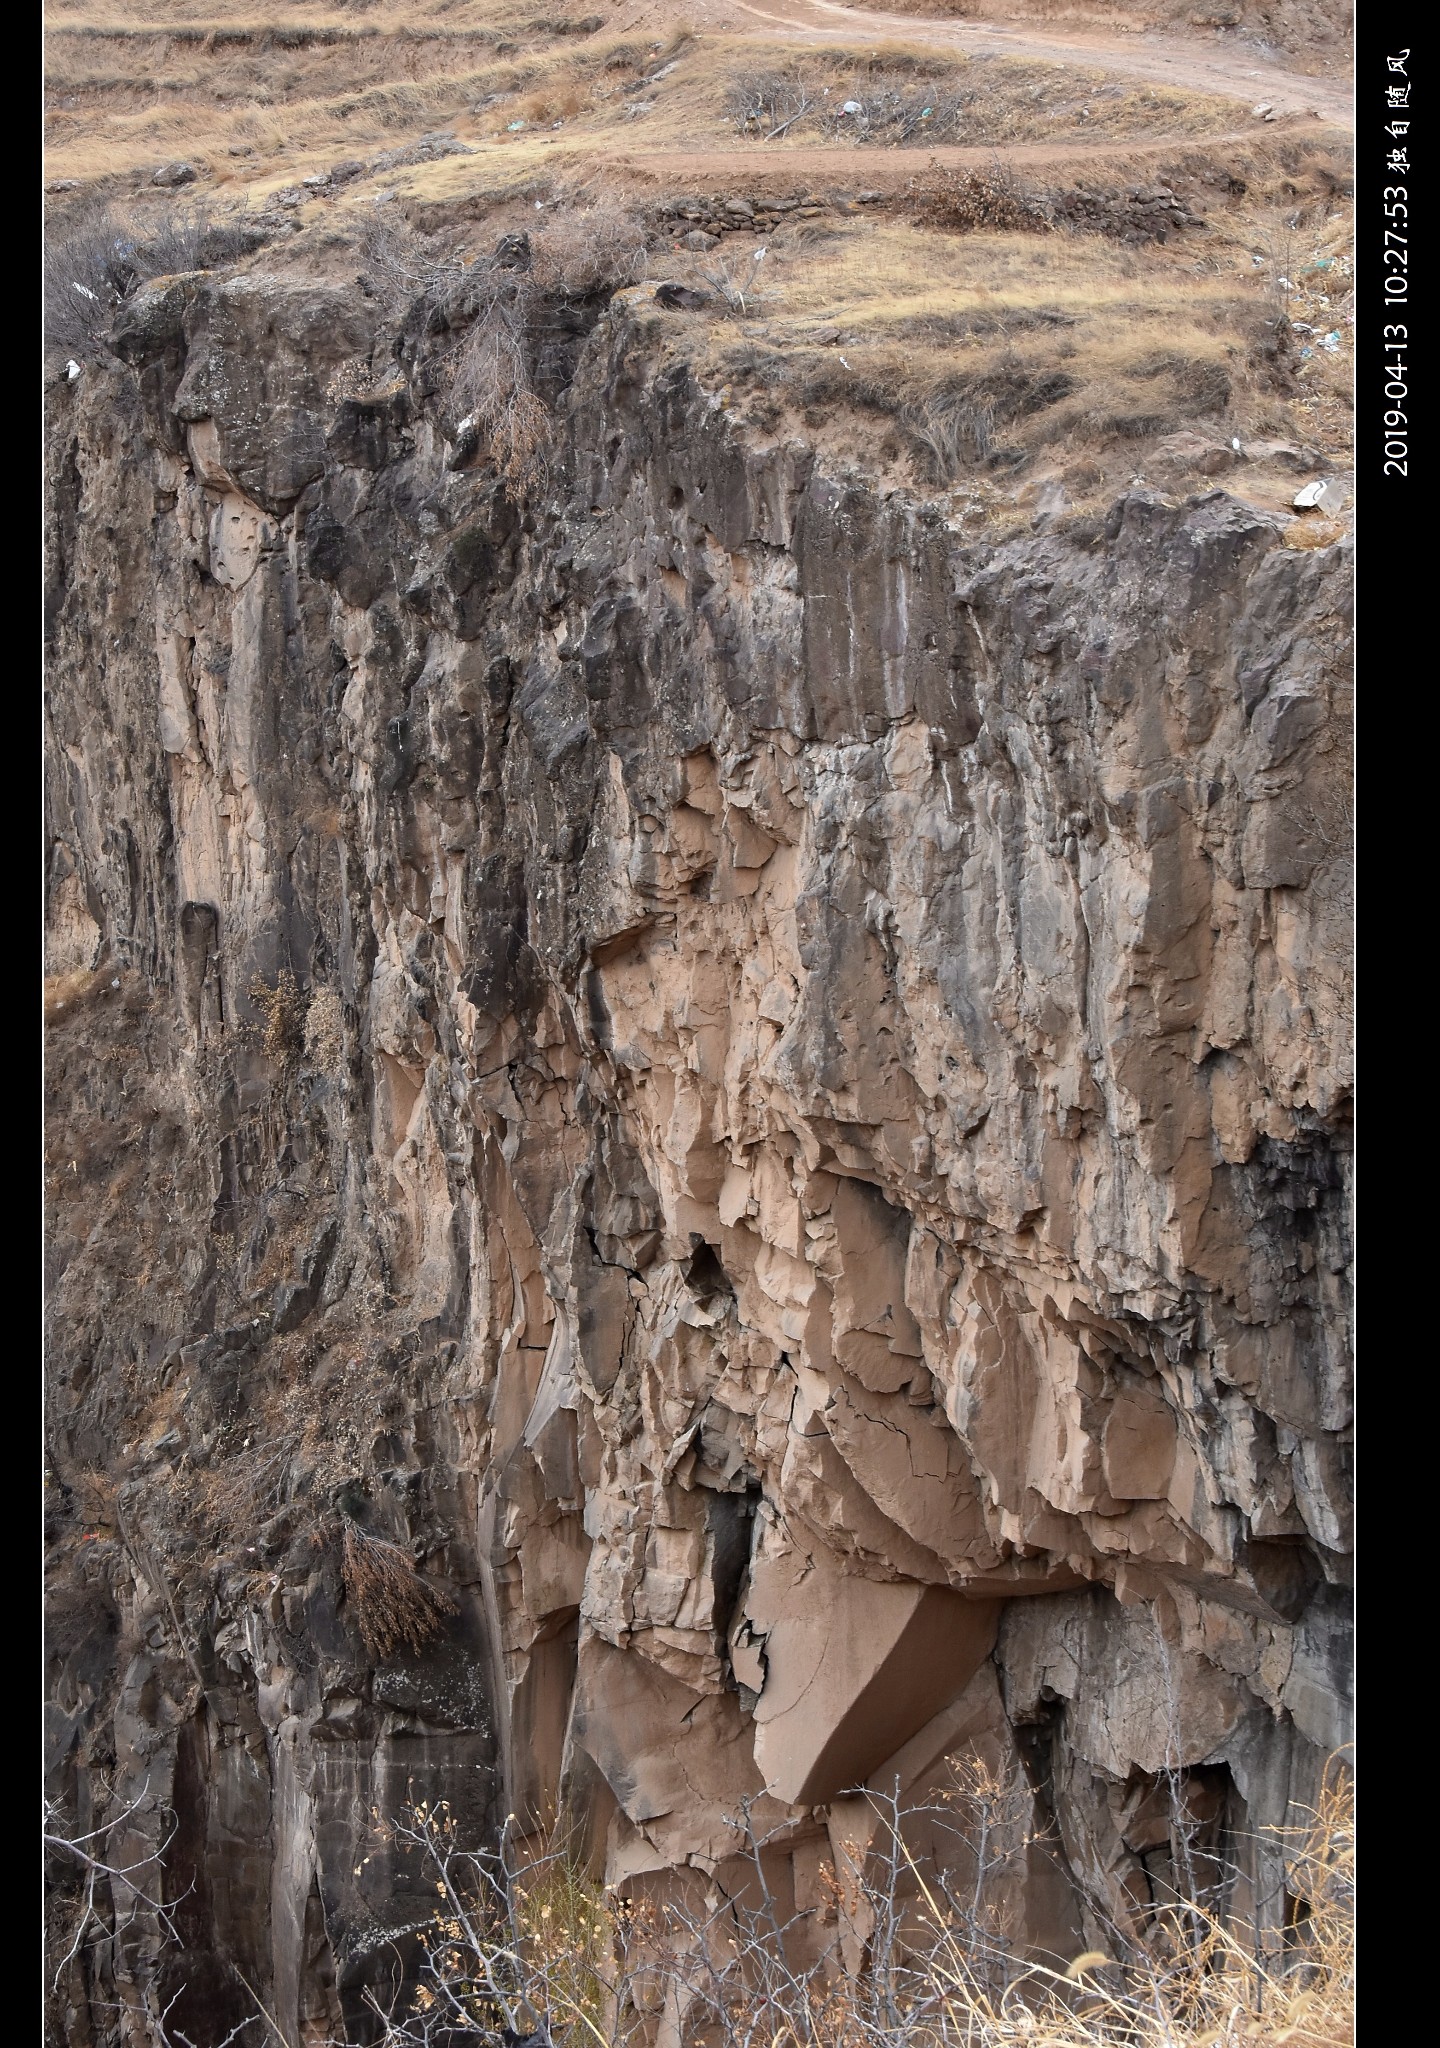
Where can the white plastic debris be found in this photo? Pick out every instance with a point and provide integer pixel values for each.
(72, 369)
(1324, 495)
(852, 107)
(1331, 341)
(86, 293)
(1235, 443)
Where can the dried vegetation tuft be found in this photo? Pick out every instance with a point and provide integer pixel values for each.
(396, 1608)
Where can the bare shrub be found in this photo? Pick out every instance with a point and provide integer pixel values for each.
(521, 1943)
(88, 270)
(768, 103)
(504, 304)
(88, 1894)
(395, 1608)
(99, 256)
(525, 1942)
(965, 200)
(492, 387)
(401, 267)
(193, 238)
(496, 314)
(325, 1031)
(282, 1007)
(588, 246)
(735, 288)
(104, 1881)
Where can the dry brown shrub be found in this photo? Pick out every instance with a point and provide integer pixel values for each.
(589, 244)
(66, 993)
(401, 266)
(395, 1608)
(965, 201)
(557, 101)
(283, 1008)
(325, 1030)
(583, 252)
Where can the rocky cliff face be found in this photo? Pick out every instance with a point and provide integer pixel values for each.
(761, 1086)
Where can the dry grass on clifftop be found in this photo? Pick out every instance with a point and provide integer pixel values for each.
(1063, 277)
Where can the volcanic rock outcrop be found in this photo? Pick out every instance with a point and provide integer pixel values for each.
(760, 1084)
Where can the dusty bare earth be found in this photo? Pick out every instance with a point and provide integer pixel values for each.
(1294, 102)
(879, 171)
(1206, 65)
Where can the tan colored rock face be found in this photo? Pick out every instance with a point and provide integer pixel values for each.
(800, 1161)
(852, 1669)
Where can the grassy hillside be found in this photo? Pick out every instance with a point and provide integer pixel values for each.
(1025, 281)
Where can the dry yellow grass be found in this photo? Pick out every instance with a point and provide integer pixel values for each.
(126, 87)
(522, 1933)
(1061, 346)
(1142, 341)
(125, 91)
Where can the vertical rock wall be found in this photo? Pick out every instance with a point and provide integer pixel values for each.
(763, 1088)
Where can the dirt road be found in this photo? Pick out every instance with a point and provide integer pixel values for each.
(1203, 65)
(880, 170)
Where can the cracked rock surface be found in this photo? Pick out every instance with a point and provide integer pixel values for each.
(762, 1087)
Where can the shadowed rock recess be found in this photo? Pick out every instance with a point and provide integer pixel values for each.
(759, 1086)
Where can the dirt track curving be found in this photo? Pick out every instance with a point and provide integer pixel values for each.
(1230, 70)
